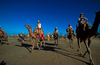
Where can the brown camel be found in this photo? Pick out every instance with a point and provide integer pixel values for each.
(51, 37)
(70, 36)
(35, 36)
(3, 36)
(48, 36)
(11, 35)
(56, 38)
(22, 38)
(87, 35)
(15, 36)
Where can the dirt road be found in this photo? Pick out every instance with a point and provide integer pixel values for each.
(15, 54)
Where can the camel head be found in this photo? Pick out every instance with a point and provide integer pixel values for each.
(98, 16)
(28, 26)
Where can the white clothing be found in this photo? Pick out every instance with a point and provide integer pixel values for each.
(56, 31)
(39, 25)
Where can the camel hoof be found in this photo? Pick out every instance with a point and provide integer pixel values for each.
(78, 50)
(80, 54)
(72, 47)
(7, 43)
(31, 52)
(56, 44)
(91, 62)
(39, 48)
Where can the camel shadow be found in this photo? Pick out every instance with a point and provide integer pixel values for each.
(27, 46)
(21, 40)
(2, 63)
(4, 43)
(49, 44)
(67, 53)
(47, 48)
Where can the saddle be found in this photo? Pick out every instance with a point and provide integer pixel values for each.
(85, 26)
(70, 31)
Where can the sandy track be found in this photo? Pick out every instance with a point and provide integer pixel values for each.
(15, 54)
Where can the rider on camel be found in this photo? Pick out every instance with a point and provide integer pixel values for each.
(80, 22)
(39, 27)
(41, 34)
(69, 27)
(56, 30)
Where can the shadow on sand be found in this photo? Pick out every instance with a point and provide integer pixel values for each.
(2, 63)
(27, 46)
(67, 53)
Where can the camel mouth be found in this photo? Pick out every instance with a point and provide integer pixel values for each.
(25, 25)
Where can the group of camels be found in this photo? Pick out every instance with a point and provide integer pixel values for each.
(3, 36)
(86, 36)
(83, 35)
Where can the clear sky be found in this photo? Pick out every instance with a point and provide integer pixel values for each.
(14, 14)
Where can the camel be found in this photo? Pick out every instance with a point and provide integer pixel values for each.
(87, 35)
(56, 37)
(48, 36)
(70, 36)
(35, 36)
(11, 36)
(51, 37)
(3, 36)
(22, 38)
(15, 36)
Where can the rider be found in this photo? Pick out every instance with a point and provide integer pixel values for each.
(56, 30)
(39, 26)
(69, 27)
(39, 29)
(80, 22)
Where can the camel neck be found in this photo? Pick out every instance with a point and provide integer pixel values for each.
(95, 26)
(30, 31)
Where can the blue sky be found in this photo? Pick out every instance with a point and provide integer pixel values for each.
(14, 14)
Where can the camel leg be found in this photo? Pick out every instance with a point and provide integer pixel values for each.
(72, 43)
(32, 46)
(40, 44)
(79, 46)
(44, 43)
(89, 52)
(1, 41)
(37, 43)
(57, 41)
(89, 41)
(7, 41)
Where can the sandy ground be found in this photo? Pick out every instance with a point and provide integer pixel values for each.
(15, 54)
